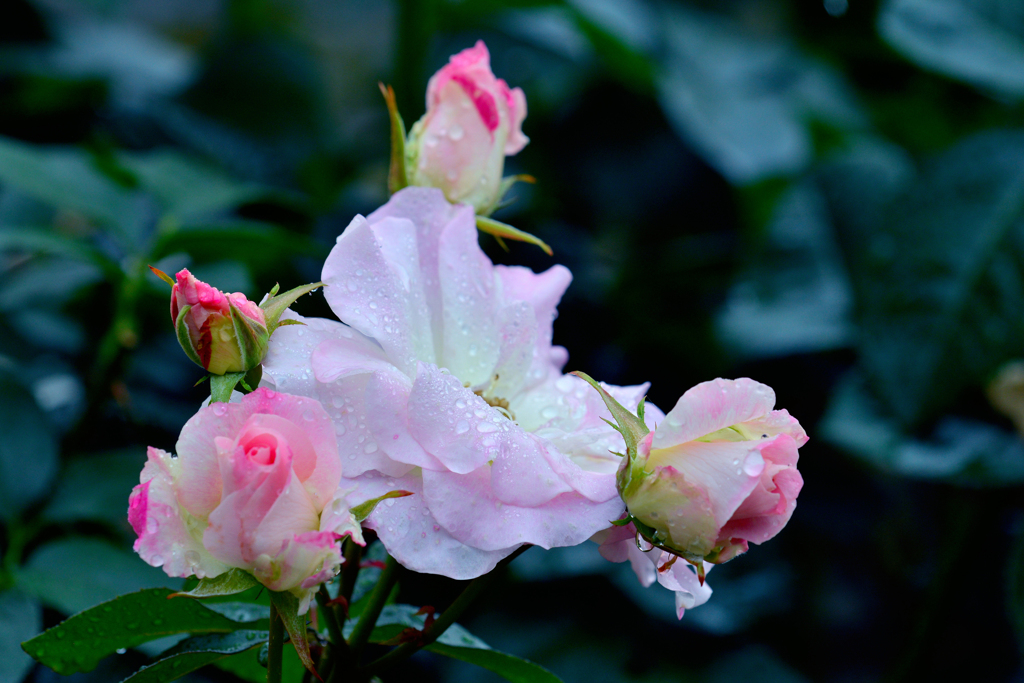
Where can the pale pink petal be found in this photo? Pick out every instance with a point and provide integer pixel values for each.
(162, 525)
(412, 536)
(291, 513)
(771, 505)
(470, 325)
(377, 297)
(517, 330)
(711, 406)
(288, 365)
(387, 404)
(681, 578)
(467, 508)
(517, 114)
(302, 561)
(337, 517)
(451, 422)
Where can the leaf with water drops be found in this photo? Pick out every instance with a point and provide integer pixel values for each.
(195, 653)
(288, 608)
(230, 582)
(458, 643)
(80, 642)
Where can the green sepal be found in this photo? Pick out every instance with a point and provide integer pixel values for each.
(631, 427)
(363, 510)
(184, 340)
(625, 521)
(506, 184)
(288, 610)
(504, 231)
(162, 275)
(252, 379)
(290, 321)
(397, 177)
(221, 386)
(252, 338)
(276, 304)
(230, 582)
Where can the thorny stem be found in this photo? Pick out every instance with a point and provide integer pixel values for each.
(475, 588)
(275, 646)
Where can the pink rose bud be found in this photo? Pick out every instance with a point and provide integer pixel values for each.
(473, 121)
(254, 486)
(717, 473)
(221, 332)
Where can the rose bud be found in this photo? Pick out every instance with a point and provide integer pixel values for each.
(254, 486)
(719, 472)
(221, 332)
(473, 121)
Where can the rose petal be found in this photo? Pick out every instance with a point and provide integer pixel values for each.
(711, 406)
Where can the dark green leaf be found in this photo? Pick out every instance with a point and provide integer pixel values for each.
(745, 102)
(230, 582)
(959, 451)
(96, 487)
(507, 666)
(49, 242)
(28, 449)
(188, 187)
(264, 246)
(195, 653)
(101, 572)
(21, 617)
(246, 666)
(64, 178)
(978, 41)
(943, 311)
(81, 641)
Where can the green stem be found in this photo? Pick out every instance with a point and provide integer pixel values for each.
(475, 588)
(374, 605)
(275, 646)
(350, 570)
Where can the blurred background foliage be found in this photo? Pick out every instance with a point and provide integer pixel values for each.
(828, 197)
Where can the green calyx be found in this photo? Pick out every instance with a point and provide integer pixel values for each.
(276, 304)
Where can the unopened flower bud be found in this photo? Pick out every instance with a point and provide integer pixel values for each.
(473, 121)
(221, 332)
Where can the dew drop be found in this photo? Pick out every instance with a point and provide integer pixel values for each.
(220, 409)
(485, 427)
(370, 448)
(550, 412)
(456, 132)
(462, 427)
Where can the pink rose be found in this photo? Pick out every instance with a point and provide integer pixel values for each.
(718, 472)
(473, 121)
(444, 382)
(254, 486)
(221, 332)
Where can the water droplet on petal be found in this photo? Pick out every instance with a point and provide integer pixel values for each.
(462, 427)
(220, 409)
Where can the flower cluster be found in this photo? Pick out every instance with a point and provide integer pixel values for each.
(440, 382)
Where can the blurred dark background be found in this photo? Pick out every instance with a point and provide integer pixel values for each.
(827, 197)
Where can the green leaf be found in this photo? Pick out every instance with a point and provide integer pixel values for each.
(458, 643)
(230, 582)
(63, 177)
(80, 642)
(186, 186)
(221, 386)
(502, 231)
(28, 449)
(246, 666)
(959, 451)
(363, 510)
(196, 652)
(101, 572)
(263, 245)
(507, 666)
(47, 241)
(746, 133)
(935, 263)
(21, 617)
(96, 487)
(288, 608)
(977, 41)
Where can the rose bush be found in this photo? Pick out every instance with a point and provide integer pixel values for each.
(447, 384)
(473, 121)
(254, 485)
